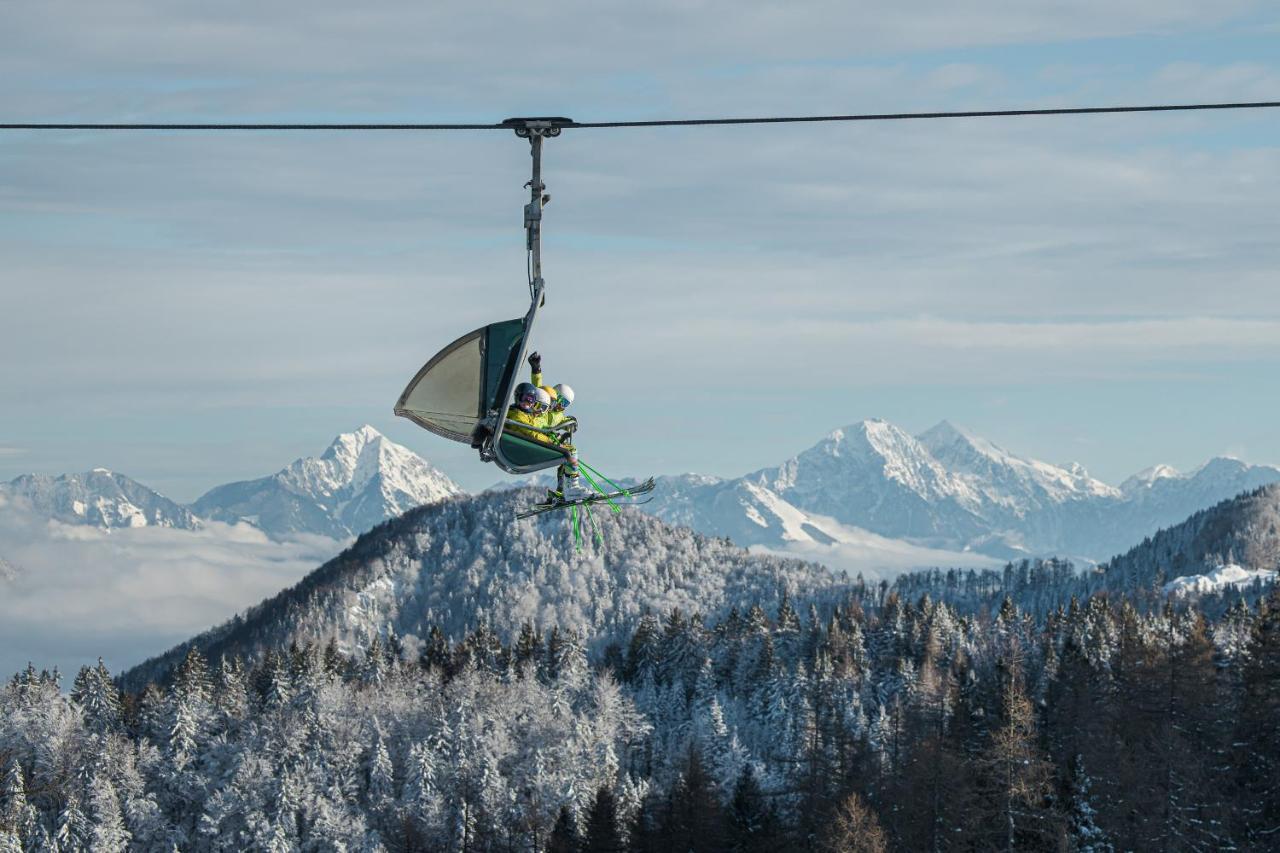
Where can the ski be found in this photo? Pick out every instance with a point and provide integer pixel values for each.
(622, 494)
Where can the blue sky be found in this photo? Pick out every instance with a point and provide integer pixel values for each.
(195, 309)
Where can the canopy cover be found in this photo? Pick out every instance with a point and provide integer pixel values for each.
(466, 380)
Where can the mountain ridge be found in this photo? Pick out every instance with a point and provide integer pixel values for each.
(949, 488)
(463, 561)
(101, 498)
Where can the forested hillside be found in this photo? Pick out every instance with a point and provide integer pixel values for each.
(1244, 530)
(667, 692)
(463, 562)
(883, 724)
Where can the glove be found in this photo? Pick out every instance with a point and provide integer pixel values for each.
(535, 362)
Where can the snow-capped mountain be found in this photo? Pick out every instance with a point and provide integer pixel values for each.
(1003, 479)
(751, 514)
(874, 475)
(99, 498)
(947, 488)
(1163, 493)
(746, 512)
(456, 563)
(360, 481)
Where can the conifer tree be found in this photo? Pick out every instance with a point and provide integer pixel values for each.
(603, 835)
(1256, 756)
(1083, 833)
(16, 814)
(564, 835)
(73, 829)
(695, 821)
(108, 832)
(752, 826)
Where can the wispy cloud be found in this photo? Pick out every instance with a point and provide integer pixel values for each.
(210, 290)
(12, 451)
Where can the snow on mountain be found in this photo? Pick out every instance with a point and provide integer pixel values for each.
(1147, 478)
(752, 515)
(746, 512)
(456, 563)
(98, 498)
(1003, 479)
(1218, 580)
(876, 476)
(1165, 492)
(360, 481)
(946, 489)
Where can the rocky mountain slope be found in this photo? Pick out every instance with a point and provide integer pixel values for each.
(99, 498)
(361, 480)
(461, 561)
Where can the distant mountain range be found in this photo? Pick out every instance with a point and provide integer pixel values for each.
(99, 498)
(869, 488)
(947, 489)
(361, 480)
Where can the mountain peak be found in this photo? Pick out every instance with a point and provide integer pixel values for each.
(361, 480)
(1219, 468)
(1148, 476)
(352, 444)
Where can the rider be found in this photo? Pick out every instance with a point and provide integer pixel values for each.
(567, 482)
(530, 408)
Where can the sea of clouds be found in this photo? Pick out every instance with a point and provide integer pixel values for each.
(70, 594)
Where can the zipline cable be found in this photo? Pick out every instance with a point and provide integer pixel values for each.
(690, 122)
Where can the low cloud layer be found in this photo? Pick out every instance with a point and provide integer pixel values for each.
(79, 593)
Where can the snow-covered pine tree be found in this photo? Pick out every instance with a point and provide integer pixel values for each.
(1083, 833)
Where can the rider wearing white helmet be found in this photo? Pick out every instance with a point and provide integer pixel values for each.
(555, 418)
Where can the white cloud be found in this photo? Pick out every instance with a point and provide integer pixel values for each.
(128, 594)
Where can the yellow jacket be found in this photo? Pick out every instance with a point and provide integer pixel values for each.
(522, 417)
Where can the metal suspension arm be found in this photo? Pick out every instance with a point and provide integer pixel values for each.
(535, 130)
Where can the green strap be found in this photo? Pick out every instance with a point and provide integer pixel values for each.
(616, 487)
(613, 506)
(594, 527)
(577, 528)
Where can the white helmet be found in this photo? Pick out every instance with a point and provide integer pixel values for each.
(544, 400)
(564, 395)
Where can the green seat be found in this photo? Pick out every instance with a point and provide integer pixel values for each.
(522, 452)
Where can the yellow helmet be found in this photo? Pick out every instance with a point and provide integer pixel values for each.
(551, 392)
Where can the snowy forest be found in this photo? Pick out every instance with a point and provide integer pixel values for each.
(873, 722)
